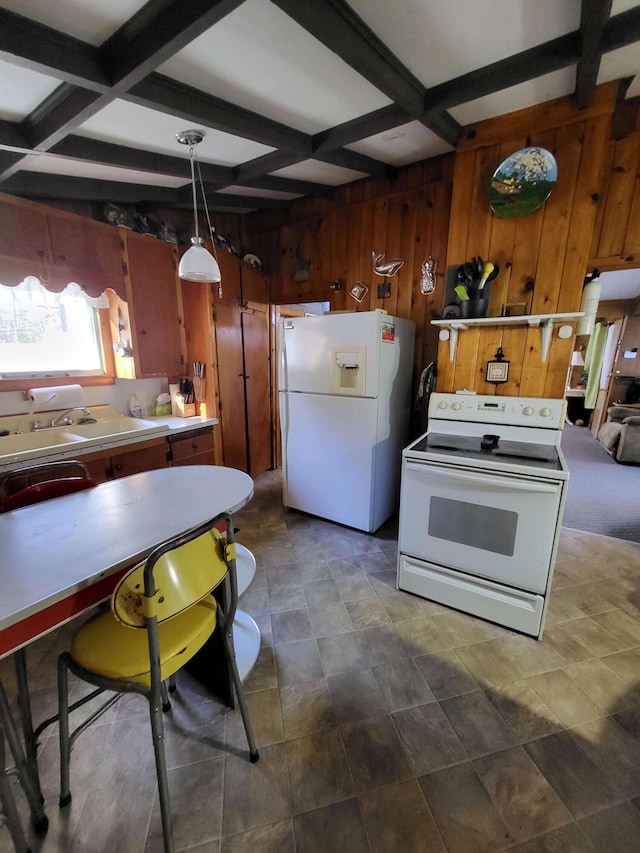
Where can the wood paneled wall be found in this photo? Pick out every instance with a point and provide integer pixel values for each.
(405, 217)
(432, 209)
(543, 257)
(616, 238)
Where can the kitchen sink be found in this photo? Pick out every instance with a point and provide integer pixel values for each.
(45, 442)
(23, 442)
(113, 427)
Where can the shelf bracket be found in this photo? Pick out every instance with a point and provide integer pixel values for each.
(453, 343)
(547, 331)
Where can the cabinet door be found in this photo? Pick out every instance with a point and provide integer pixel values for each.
(24, 236)
(255, 337)
(230, 271)
(231, 386)
(146, 457)
(153, 307)
(91, 251)
(99, 465)
(254, 286)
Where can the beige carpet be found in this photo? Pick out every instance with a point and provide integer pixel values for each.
(603, 495)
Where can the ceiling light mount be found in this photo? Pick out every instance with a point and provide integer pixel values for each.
(190, 137)
(197, 264)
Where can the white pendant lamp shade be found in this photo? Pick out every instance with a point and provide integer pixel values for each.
(197, 264)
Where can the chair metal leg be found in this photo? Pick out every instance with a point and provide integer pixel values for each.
(24, 705)
(157, 731)
(38, 818)
(9, 810)
(166, 704)
(227, 638)
(63, 728)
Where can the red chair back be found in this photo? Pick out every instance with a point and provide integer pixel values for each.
(46, 490)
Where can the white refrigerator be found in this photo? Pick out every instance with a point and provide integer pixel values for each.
(345, 403)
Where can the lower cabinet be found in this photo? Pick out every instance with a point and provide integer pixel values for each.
(111, 465)
(192, 448)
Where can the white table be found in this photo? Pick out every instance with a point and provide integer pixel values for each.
(61, 557)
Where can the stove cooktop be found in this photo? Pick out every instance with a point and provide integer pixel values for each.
(489, 448)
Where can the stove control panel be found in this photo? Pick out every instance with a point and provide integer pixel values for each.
(480, 408)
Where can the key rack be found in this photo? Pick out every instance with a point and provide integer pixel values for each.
(546, 323)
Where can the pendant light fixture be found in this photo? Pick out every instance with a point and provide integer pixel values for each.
(197, 264)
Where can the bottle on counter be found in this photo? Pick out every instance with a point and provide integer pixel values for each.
(135, 409)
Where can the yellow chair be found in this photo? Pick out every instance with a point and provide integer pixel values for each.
(168, 596)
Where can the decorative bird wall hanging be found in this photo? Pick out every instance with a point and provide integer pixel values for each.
(385, 269)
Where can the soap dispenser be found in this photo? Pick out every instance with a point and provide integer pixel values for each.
(135, 409)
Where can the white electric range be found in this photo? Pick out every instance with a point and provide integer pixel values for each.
(481, 503)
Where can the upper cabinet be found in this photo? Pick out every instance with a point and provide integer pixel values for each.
(25, 247)
(229, 292)
(88, 249)
(149, 324)
(254, 287)
(241, 284)
(58, 248)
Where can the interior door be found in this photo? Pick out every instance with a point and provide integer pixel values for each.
(231, 386)
(255, 336)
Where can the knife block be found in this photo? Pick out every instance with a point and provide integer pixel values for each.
(180, 409)
(184, 410)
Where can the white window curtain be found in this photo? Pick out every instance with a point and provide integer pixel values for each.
(32, 289)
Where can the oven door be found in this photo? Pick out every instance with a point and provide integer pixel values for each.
(493, 525)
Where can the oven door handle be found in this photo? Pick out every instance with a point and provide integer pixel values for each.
(503, 482)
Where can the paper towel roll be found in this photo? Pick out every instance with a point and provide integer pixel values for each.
(173, 394)
(55, 397)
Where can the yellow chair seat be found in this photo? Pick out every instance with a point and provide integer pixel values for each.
(110, 649)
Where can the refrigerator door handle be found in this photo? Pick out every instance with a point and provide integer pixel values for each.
(282, 360)
(284, 433)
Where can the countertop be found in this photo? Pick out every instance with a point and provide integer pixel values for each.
(171, 426)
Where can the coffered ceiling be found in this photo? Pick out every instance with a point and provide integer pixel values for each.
(295, 97)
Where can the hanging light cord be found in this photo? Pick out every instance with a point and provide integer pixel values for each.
(194, 158)
(204, 199)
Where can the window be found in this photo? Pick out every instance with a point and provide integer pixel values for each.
(47, 333)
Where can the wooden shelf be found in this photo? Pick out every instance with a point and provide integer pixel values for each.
(546, 323)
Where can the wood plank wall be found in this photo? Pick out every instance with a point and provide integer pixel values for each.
(404, 217)
(616, 238)
(543, 257)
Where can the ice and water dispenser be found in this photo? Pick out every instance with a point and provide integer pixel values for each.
(348, 370)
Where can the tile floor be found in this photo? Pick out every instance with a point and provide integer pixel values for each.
(385, 722)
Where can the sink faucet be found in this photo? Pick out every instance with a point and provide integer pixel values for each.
(65, 420)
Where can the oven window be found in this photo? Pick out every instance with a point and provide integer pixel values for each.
(485, 527)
